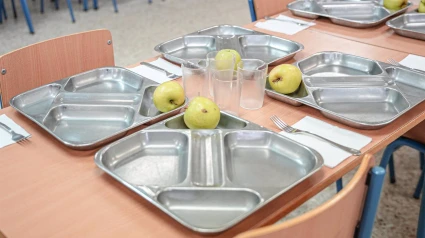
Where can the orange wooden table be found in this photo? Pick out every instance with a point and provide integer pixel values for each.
(49, 190)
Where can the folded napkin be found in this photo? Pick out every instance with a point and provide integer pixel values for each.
(157, 75)
(289, 28)
(5, 137)
(414, 61)
(332, 155)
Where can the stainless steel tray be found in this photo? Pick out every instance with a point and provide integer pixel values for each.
(249, 44)
(355, 91)
(409, 25)
(92, 108)
(208, 180)
(356, 14)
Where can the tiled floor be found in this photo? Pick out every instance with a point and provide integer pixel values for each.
(138, 27)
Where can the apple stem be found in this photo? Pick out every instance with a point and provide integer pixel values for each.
(204, 111)
(276, 80)
(172, 102)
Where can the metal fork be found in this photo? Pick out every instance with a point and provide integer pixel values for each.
(15, 136)
(298, 23)
(393, 62)
(282, 125)
(168, 74)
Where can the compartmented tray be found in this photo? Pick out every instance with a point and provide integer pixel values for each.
(356, 14)
(355, 91)
(92, 108)
(409, 25)
(208, 180)
(249, 44)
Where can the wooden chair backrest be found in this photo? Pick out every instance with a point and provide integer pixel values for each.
(265, 8)
(54, 59)
(337, 218)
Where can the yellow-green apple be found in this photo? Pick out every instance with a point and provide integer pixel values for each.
(225, 58)
(202, 113)
(421, 8)
(394, 4)
(168, 96)
(285, 78)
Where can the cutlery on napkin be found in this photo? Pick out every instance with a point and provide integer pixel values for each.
(332, 155)
(156, 75)
(5, 137)
(287, 26)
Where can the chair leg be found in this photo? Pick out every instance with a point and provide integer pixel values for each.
(421, 224)
(252, 10)
(4, 10)
(1, 11)
(14, 9)
(419, 186)
(115, 5)
(391, 168)
(42, 6)
(57, 4)
(85, 5)
(71, 11)
(27, 15)
(95, 5)
(149, 1)
(339, 185)
(422, 159)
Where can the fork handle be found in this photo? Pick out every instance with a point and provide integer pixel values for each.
(348, 149)
(154, 67)
(6, 128)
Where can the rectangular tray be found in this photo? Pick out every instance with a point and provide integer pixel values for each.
(356, 14)
(92, 108)
(355, 91)
(409, 25)
(249, 44)
(208, 180)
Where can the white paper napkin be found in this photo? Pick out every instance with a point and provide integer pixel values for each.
(5, 137)
(414, 61)
(332, 155)
(288, 28)
(157, 75)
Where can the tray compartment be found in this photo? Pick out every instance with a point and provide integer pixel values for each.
(81, 124)
(155, 158)
(148, 108)
(98, 99)
(410, 82)
(305, 8)
(268, 48)
(37, 102)
(288, 98)
(206, 161)
(187, 47)
(338, 64)
(361, 81)
(265, 161)
(105, 80)
(410, 25)
(209, 210)
(226, 122)
(356, 11)
(368, 105)
(226, 30)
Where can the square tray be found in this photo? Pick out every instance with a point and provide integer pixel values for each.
(409, 25)
(355, 91)
(356, 14)
(248, 43)
(92, 108)
(208, 180)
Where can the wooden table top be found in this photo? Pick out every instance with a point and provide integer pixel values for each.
(380, 35)
(49, 190)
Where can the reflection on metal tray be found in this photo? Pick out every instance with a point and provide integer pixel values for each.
(409, 25)
(355, 91)
(249, 44)
(208, 180)
(92, 108)
(357, 14)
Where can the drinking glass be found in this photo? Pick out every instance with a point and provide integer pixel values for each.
(195, 78)
(214, 65)
(252, 74)
(227, 90)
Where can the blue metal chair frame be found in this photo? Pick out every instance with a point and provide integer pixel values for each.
(27, 14)
(96, 6)
(387, 159)
(252, 10)
(2, 7)
(68, 2)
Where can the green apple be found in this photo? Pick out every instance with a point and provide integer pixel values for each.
(285, 78)
(202, 113)
(394, 4)
(168, 96)
(421, 8)
(225, 57)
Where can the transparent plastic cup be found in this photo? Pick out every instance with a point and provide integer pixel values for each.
(195, 78)
(217, 64)
(227, 90)
(252, 74)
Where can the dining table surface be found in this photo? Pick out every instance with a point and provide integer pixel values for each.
(50, 190)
